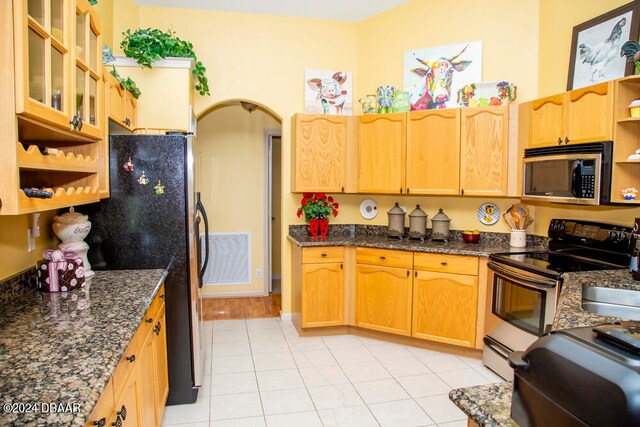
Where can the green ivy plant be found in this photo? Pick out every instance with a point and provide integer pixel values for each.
(127, 83)
(147, 45)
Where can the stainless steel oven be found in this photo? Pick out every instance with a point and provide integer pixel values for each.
(523, 305)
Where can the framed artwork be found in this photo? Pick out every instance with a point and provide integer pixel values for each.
(433, 76)
(595, 47)
(328, 92)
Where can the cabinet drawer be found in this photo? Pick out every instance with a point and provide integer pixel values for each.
(323, 254)
(384, 257)
(152, 313)
(130, 357)
(458, 264)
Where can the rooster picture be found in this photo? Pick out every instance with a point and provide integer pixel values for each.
(599, 56)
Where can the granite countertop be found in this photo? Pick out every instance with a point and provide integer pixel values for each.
(375, 237)
(62, 348)
(487, 405)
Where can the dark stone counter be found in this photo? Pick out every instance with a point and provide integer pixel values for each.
(62, 348)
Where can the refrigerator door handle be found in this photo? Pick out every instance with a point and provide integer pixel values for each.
(203, 213)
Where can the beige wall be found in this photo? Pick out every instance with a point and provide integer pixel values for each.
(117, 17)
(14, 255)
(230, 155)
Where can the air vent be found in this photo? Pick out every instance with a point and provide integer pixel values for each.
(229, 259)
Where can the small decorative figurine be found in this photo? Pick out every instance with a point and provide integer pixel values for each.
(128, 166)
(107, 56)
(629, 193)
(635, 156)
(385, 98)
(143, 179)
(159, 189)
(370, 104)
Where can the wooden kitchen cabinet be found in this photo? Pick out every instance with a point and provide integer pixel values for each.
(383, 298)
(578, 116)
(322, 287)
(445, 307)
(433, 152)
(320, 150)
(381, 153)
(58, 64)
(625, 173)
(139, 385)
(484, 139)
(121, 104)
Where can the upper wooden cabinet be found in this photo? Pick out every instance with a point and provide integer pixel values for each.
(58, 64)
(484, 139)
(319, 152)
(577, 116)
(433, 152)
(121, 104)
(381, 153)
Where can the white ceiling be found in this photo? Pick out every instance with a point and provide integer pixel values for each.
(341, 10)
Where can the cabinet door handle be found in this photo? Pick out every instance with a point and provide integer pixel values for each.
(407, 190)
(162, 296)
(117, 422)
(157, 328)
(323, 255)
(79, 123)
(342, 189)
(383, 257)
(122, 413)
(559, 141)
(408, 273)
(443, 263)
(101, 422)
(462, 191)
(415, 274)
(566, 140)
(131, 358)
(340, 266)
(149, 320)
(74, 122)
(400, 190)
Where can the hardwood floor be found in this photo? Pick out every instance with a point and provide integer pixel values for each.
(241, 308)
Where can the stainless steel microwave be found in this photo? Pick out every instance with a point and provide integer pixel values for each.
(575, 174)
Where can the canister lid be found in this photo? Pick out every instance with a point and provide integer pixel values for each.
(417, 212)
(70, 217)
(396, 210)
(440, 216)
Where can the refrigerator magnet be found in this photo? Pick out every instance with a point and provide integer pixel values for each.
(159, 189)
(128, 166)
(143, 179)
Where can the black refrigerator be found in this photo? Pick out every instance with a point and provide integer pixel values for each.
(152, 220)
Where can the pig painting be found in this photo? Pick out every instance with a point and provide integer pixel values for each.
(328, 92)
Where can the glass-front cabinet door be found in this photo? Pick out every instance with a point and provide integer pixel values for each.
(58, 64)
(43, 59)
(88, 89)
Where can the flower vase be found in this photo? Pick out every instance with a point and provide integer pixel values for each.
(637, 67)
(401, 102)
(324, 227)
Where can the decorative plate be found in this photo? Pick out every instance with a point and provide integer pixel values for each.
(368, 209)
(488, 213)
(487, 94)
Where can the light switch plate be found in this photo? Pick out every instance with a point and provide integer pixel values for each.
(258, 273)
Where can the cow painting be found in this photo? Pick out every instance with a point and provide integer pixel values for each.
(438, 76)
(331, 93)
(433, 74)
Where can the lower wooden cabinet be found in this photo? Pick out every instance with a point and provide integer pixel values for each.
(323, 290)
(445, 307)
(137, 392)
(383, 298)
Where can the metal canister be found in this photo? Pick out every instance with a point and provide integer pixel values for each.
(396, 222)
(440, 226)
(418, 224)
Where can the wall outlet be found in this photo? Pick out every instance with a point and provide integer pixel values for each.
(258, 273)
(31, 241)
(35, 224)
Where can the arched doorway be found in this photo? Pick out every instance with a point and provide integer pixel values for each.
(238, 174)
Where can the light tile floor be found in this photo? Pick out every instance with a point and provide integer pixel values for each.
(260, 372)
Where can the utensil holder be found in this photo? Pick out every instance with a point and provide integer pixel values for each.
(518, 238)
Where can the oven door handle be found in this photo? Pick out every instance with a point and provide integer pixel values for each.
(521, 277)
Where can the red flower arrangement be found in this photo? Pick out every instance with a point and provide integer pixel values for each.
(317, 205)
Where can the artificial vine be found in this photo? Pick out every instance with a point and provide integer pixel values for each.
(127, 83)
(147, 45)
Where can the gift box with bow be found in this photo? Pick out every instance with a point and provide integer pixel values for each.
(62, 271)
